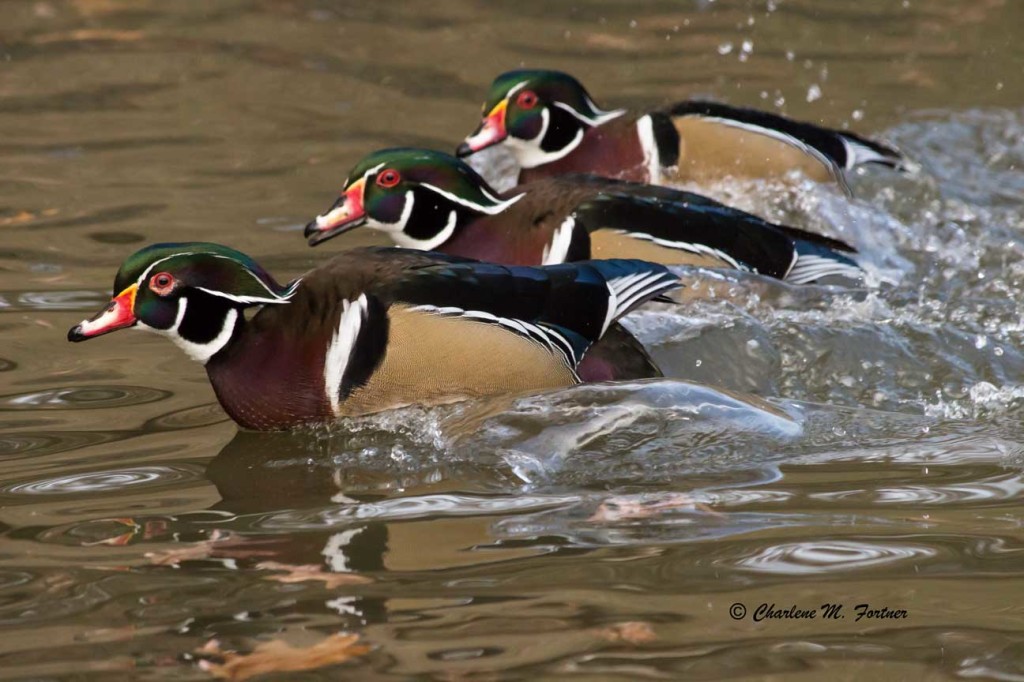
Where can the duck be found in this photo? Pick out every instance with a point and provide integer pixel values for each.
(429, 200)
(552, 126)
(371, 329)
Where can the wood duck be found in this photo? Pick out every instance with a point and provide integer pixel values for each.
(432, 201)
(552, 126)
(373, 328)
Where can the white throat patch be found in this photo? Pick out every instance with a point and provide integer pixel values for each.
(529, 154)
(200, 352)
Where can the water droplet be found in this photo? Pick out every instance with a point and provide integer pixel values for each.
(725, 48)
(813, 93)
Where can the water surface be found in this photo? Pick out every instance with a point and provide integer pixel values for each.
(862, 447)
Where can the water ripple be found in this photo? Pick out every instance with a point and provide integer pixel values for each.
(14, 445)
(416, 507)
(830, 556)
(58, 300)
(101, 481)
(1006, 487)
(83, 398)
(188, 418)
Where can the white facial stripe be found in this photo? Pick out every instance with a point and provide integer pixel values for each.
(490, 197)
(405, 241)
(396, 227)
(340, 349)
(245, 300)
(649, 146)
(602, 117)
(514, 89)
(529, 154)
(367, 174)
(545, 117)
(557, 251)
(182, 305)
(277, 297)
(274, 297)
(498, 207)
(201, 352)
(152, 265)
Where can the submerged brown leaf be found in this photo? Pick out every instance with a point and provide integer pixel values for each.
(634, 632)
(190, 551)
(279, 656)
(630, 507)
(89, 35)
(24, 217)
(298, 574)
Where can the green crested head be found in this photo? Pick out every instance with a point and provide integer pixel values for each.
(190, 291)
(212, 267)
(540, 115)
(419, 196)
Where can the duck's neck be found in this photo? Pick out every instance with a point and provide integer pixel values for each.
(268, 379)
(614, 150)
(504, 237)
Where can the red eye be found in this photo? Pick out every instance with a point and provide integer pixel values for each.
(388, 178)
(527, 99)
(161, 283)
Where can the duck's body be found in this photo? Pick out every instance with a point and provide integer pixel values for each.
(552, 127)
(439, 203)
(372, 329)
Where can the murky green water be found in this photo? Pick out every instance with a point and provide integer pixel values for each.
(600, 532)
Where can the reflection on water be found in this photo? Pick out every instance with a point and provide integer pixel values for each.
(862, 446)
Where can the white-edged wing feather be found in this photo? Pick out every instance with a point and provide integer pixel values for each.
(626, 291)
(542, 334)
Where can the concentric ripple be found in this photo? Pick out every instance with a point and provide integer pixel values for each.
(83, 398)
(58, 300)
(23, 444)
(416, 507)
(91, 482)
(830, 556)
(188, 418)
